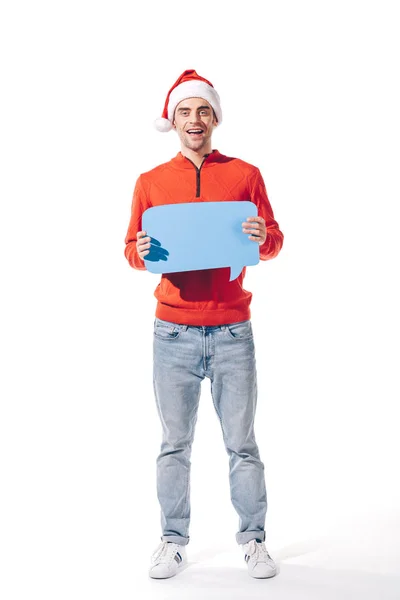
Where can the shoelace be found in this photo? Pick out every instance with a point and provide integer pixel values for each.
(258, 551)
(161, 553)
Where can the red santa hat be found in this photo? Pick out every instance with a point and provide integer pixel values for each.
(188, 85)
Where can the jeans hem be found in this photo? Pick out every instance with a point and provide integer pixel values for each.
(176, 539)
(246, 536)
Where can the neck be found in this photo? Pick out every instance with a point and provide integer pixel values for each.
(196, 157)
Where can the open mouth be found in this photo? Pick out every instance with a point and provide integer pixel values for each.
(194, 132)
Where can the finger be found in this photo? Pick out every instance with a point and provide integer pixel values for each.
(256, 224)
(142, 247)
(252, 229)
(253, 225)
(258, 219)
(142, 241)
(140, 234)
(256, 239)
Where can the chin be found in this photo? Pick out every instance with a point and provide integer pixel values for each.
(194, 146)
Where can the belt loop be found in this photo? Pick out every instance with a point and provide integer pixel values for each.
(184, 327)
(223, 327)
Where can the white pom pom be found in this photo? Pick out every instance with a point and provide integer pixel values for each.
(163, 125)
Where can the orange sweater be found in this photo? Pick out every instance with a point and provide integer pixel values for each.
(204, 297)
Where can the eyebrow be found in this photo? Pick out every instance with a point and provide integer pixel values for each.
(182, 108)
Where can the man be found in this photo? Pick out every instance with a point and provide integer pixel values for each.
(202, 329)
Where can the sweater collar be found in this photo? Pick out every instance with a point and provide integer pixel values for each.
(180, 161)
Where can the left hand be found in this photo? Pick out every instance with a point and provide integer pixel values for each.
(255, 226)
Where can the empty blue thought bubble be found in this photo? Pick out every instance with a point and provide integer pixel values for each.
(199, 235)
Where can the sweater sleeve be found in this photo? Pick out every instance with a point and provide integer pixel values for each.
(274, 241)
(139, 205)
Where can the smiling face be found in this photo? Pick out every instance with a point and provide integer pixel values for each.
(194, 121)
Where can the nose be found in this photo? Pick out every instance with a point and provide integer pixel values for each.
(193, 116)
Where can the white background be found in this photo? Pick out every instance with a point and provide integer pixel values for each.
(309, 94)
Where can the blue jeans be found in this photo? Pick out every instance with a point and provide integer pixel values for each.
(183, 356)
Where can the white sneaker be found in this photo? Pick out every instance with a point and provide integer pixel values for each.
(167, 559)
(259, 562)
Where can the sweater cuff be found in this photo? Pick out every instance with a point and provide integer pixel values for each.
(133, 257)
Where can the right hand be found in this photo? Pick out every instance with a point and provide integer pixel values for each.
(142, 244)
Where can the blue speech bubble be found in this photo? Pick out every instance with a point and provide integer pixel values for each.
(199, 235)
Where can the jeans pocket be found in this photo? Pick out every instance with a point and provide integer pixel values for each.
(166, 331)
(240, 331)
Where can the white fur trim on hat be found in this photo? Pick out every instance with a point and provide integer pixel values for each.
(194, 88)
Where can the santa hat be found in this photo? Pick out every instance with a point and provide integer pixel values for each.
(188, 85)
